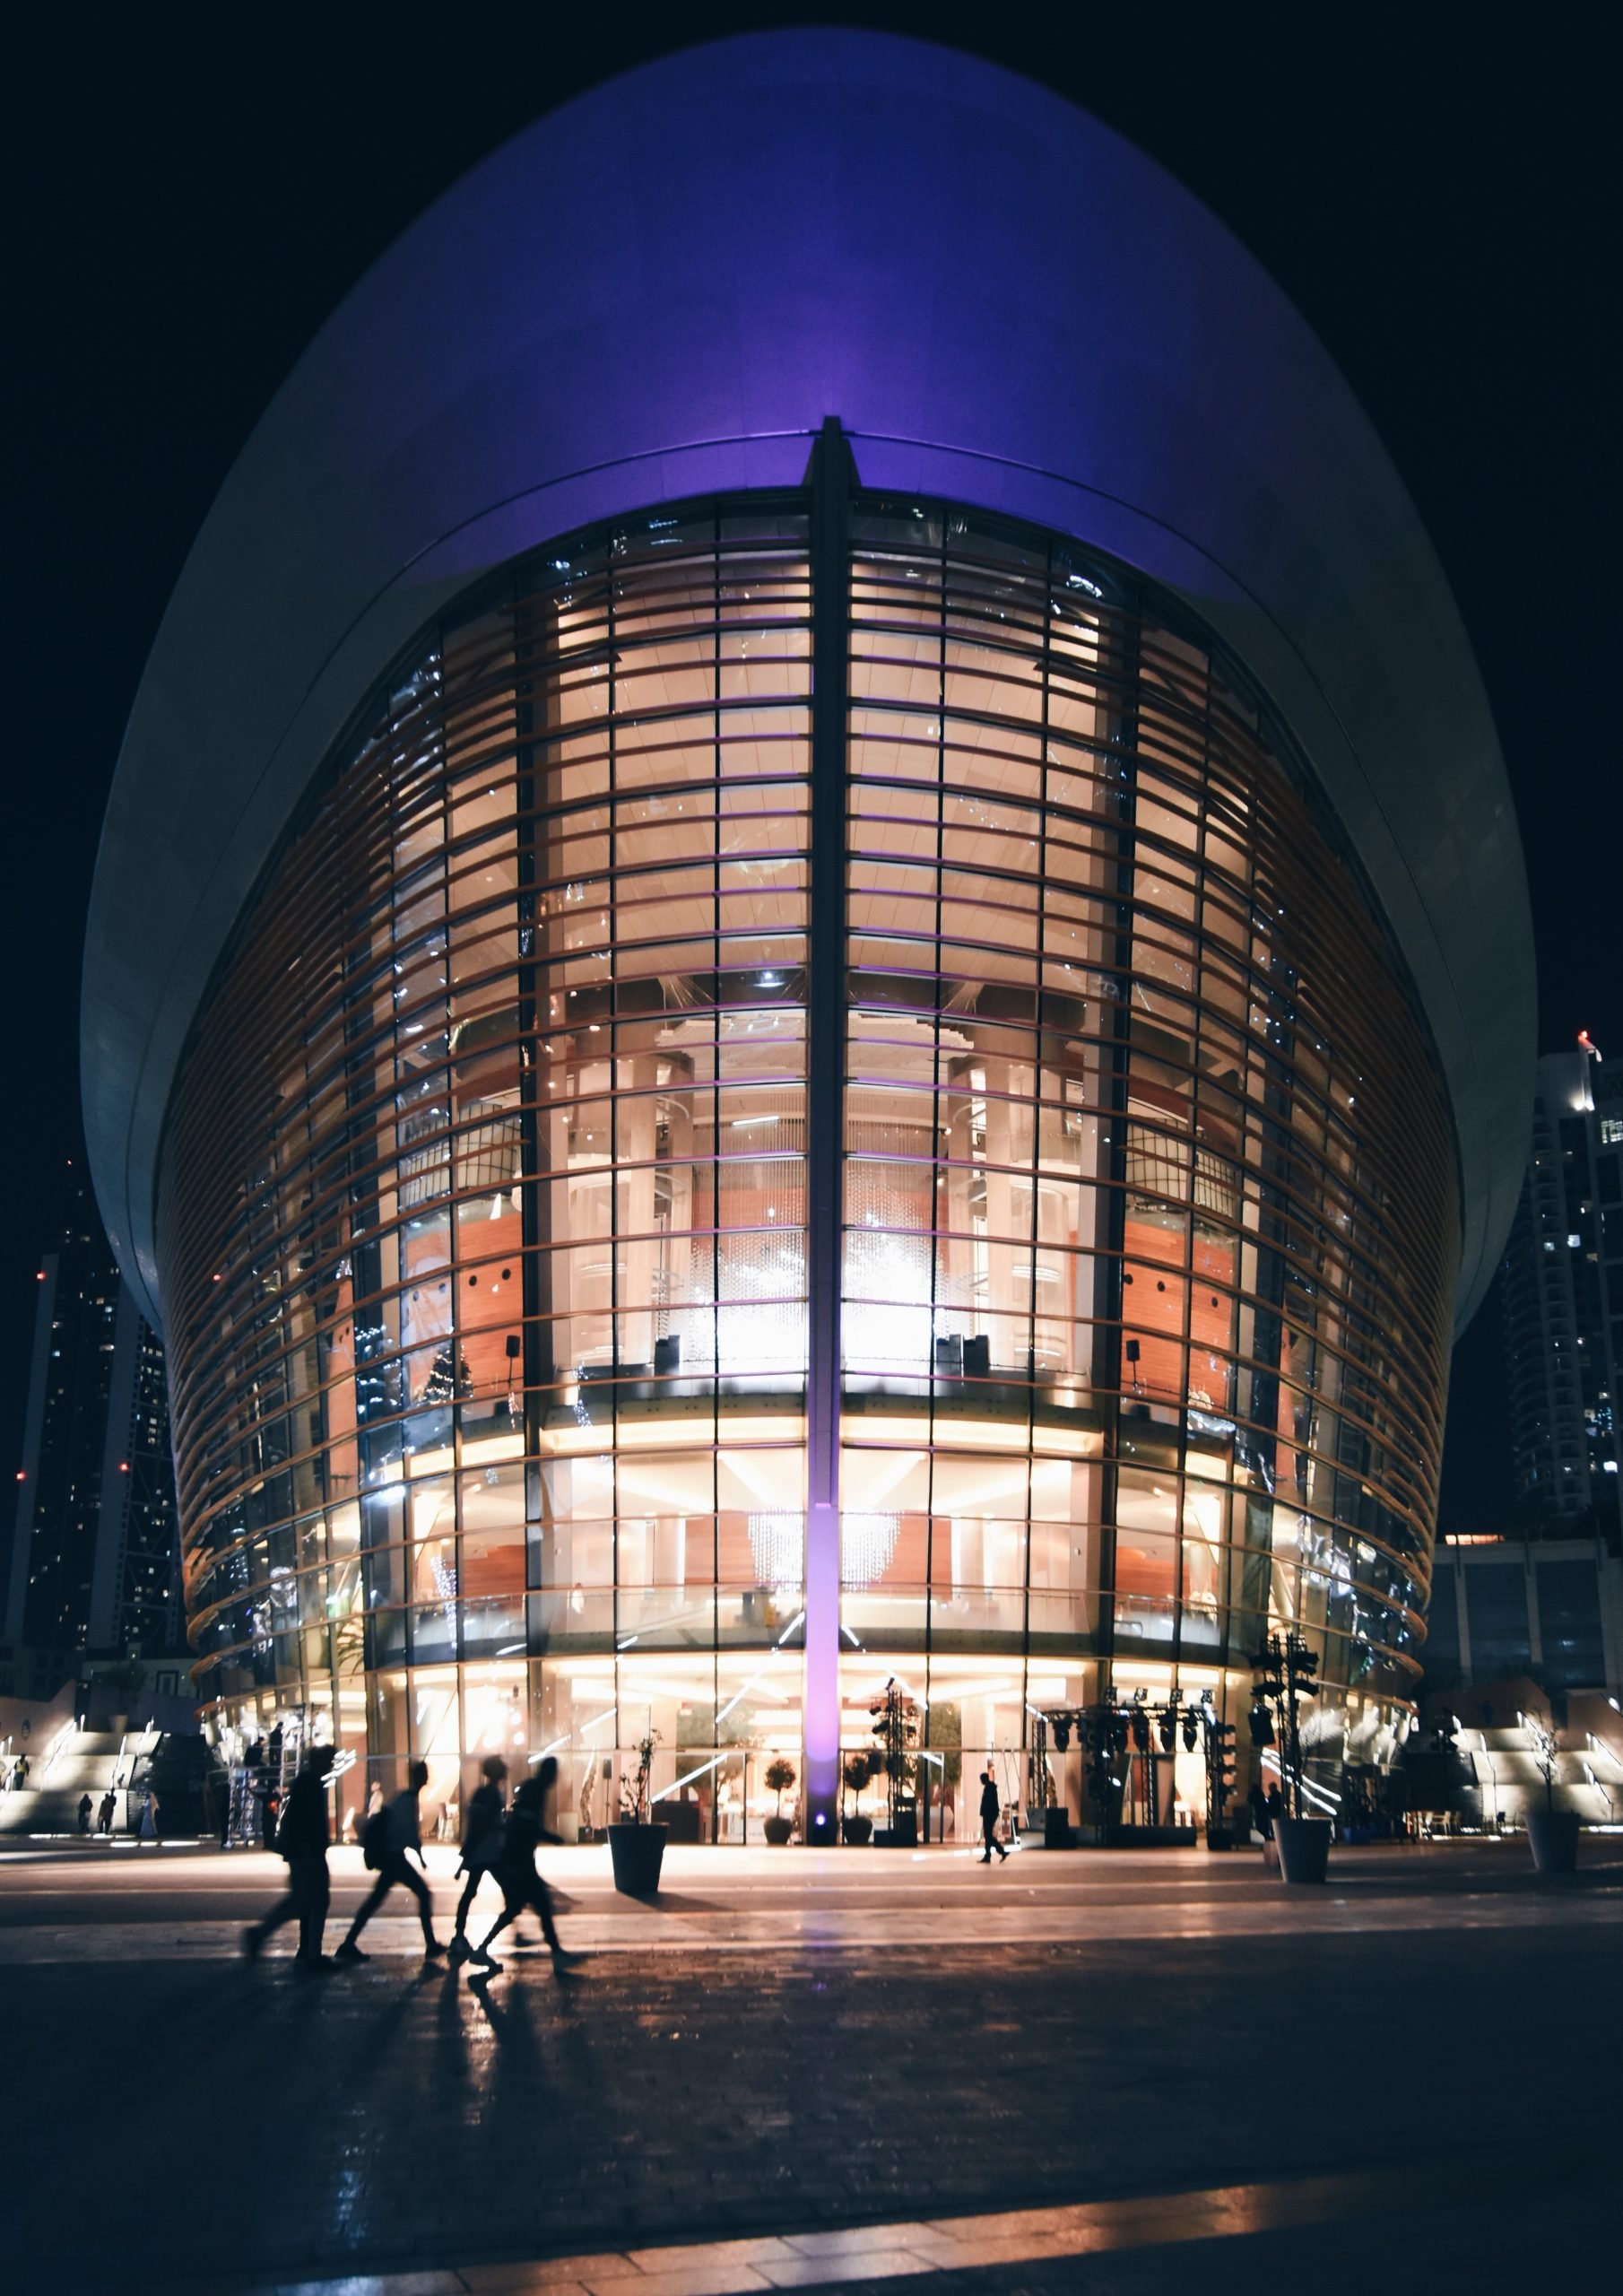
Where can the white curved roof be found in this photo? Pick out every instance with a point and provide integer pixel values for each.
(662, 289)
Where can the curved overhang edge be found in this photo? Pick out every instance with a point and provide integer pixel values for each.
(164, 904)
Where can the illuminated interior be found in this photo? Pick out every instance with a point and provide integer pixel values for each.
(483, 1214)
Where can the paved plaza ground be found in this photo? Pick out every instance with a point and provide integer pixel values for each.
(1109, 2071)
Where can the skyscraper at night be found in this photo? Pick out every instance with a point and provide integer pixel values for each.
(94, 1558)
(1564, 1304)
(810, 970)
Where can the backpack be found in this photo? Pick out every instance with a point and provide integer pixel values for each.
(375, 1839)
(484, 1850)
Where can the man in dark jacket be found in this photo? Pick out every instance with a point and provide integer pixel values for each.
(401, 1834)
(990, 1807)
(301, 1838)
(487, 1808)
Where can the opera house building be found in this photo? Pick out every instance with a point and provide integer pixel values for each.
(810, 970)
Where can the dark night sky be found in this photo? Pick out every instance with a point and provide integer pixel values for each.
(186, 203)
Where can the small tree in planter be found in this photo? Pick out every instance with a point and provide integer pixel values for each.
(1287, 1672)
(1552, 1834)
(780, 1776)
(637, 1844)
(854, 1825)
(945, 1732)
(896, 1727)
(634, 1806)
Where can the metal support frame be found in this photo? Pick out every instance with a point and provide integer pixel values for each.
(831, 476)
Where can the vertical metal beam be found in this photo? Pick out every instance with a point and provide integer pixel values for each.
(535, 1178)
(1122, 769)
(831, 476)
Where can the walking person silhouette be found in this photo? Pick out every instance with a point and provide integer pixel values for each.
(482, 1844)
(399, 1826)
(516, 1870)
(990, 1807)
(301, 1838)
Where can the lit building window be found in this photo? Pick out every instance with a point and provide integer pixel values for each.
(485, 1224)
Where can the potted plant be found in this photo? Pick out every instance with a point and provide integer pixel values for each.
(1552, 1834)
(780, 1776)
(946, 1740)
(1287, 1672)
(853, 1826)
(635, 1845)
(896, 1727)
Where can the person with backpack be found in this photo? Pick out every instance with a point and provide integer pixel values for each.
(384, 1841)
(515, 1869)
(302, 1839)
(481, 1843)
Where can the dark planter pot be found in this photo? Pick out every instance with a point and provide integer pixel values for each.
(856, 1828)
(1304, 1845)
(777, 1831)
(1218, 1837)
(1056, 1828)
(637, 1852)
(1552, 1836)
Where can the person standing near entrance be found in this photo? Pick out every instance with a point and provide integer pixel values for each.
(85, 1806)
(302, 1839)
(104, 1810)
(990, 1808)
(395, 1831)
(487, 1810)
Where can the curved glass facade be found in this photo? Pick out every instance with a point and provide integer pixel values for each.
(592, 1065)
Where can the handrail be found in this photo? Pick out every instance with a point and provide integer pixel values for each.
(1601, 1787)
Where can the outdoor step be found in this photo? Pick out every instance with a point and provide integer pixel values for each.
(1513, 1801)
